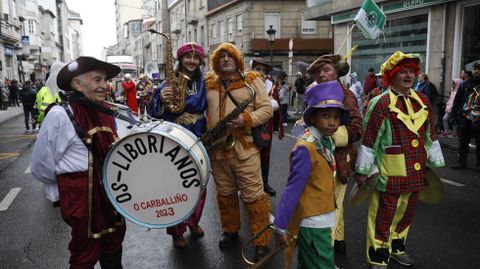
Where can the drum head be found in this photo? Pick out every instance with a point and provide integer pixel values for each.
(153, 179)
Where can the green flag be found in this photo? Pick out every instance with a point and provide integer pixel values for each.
(370, 19)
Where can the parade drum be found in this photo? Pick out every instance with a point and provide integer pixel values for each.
(123, 128)
(156, 175)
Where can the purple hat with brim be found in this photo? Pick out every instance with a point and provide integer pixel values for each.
(325, 95)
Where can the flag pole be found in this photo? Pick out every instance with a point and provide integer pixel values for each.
(343, 42)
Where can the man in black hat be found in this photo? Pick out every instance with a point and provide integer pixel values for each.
(262, 67)
(465, 123)
(70, 151)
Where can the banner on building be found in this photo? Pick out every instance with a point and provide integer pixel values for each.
(370, 19)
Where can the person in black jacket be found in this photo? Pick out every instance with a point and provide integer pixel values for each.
(14, 93)
(464, 125)
(28, 96)
(300, 91)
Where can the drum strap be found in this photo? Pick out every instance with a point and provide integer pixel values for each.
(80, 132)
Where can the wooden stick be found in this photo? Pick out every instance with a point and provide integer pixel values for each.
(343, 42)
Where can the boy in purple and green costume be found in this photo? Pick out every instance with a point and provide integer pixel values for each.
(307, 205)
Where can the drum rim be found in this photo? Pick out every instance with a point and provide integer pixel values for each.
(203, 187)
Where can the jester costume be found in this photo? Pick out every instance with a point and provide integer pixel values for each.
(399, 138)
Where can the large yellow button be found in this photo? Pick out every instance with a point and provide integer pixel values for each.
(417, 166)
(414, 143)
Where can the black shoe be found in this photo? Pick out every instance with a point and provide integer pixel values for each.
(228, 240)
(269, 189)
(260, 252)
(56, 204)
(339, 247)
(459, 166)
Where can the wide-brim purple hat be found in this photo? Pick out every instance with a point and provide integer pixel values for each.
(325, 95)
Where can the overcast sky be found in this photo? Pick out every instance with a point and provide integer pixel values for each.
(98, 24)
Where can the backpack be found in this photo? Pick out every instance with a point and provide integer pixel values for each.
(471, 108)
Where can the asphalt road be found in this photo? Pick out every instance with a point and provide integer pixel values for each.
(32, 234)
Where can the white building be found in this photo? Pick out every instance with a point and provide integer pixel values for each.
(125, 11)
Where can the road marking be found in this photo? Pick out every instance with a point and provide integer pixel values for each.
(292, 136)
(7, 155)
(28, 170)
(19, 135)
(8, 139)
(9, 198)
(452, 182)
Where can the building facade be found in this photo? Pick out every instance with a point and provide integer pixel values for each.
(76, 36)
(125, 10)
(11, 31)
(445, 32)
(245, 23)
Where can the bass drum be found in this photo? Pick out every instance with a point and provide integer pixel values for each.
(156, 175)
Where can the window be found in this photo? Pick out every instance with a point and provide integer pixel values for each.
(222, 31)
(195, 36)
(201, 36)
(31, 27)
(6, 10)
(214, 30)
(407, 34)
(230, 29)
(192, 5)
(182, 12)
(471, 36)
(239, 24)
(274, 20)
(308, 27)
(125, 30)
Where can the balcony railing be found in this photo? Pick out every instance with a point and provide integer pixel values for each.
(287, 35)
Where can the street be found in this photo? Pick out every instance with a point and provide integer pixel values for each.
(33, 235)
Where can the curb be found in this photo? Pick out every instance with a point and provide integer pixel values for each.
(10, 117)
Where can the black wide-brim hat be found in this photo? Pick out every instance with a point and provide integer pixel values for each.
(257, 61)
(82, 65)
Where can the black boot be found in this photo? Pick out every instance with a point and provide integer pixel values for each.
(260, 252)
(269, 190)
(228, 240)
(339, 247)
(111, 260)
(266, 188)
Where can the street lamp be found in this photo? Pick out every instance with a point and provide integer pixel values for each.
(271, 38)
(19, 53)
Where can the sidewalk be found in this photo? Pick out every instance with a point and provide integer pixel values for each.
(11, 112)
